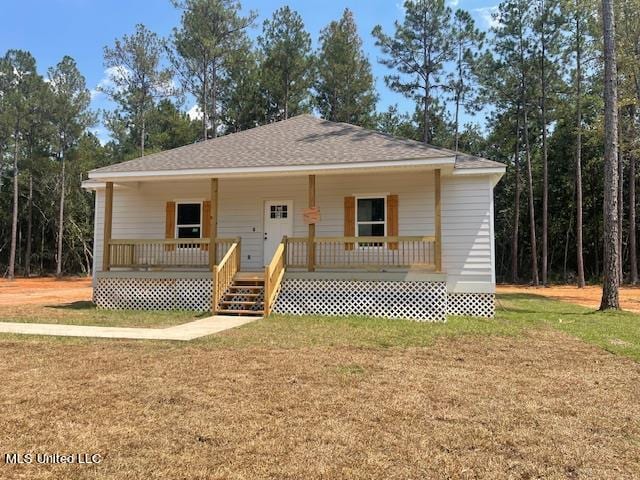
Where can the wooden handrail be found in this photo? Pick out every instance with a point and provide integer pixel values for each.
(273, 274)
(370, 252)
(169, 241)
(164, 253)
(224, 274)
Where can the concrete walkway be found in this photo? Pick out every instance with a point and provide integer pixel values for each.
(184, 332)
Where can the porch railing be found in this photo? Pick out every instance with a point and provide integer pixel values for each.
(273, 274)
(171, 253)
(224, 273)
(368, 253)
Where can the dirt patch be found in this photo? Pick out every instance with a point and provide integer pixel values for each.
(41, 291)
(589, 296)
(542, 406)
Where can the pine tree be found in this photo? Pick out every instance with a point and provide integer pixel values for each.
(419, 50)
(546, 29)
(21, 83)
(71, 117)
(210, 32)
(344, 87)
(137, 78)
(467, 43)
(287, 65)
(611, 266)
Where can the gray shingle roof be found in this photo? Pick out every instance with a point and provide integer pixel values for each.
(301, 140)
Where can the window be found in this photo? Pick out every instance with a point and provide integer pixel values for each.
(278, 211)
(189, 220)
(371, 219)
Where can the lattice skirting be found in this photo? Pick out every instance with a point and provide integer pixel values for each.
(153, 293)
(472, 304)
(424, 301)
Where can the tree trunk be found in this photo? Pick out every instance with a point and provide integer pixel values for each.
(142, 134)
(457, 121)
(566, 252)
(545, 156)
(14, 218)
(286, 96)
(42, 249)
(27, 253)
(610, 299)
(579, 247)
(459, 88)
(214, 100)
(633, 258)
(532, 214)
(426, 134)
(61, 220)
(516, 207)
(205, 99)
(620, 206)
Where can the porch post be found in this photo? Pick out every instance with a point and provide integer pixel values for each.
(213, 225)
(311, 245)
(438, 220)
(108, 221)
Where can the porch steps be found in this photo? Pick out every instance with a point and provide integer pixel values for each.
(244, 296)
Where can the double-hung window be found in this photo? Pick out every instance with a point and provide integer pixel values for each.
(371, 216)
(189, 220)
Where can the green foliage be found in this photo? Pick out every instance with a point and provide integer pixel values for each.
(210, 32)
(419, 50)
(287, 65)
(169, 127)
(136, 80)
(344, 87)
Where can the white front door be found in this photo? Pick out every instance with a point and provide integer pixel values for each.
(278, 222)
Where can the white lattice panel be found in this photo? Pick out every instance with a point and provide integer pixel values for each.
(425, 301)
(472, 304)
(154, 293)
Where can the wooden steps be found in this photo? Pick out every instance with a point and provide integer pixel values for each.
(245, 296)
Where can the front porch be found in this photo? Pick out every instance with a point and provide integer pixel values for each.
(251, 289)
(232, 261)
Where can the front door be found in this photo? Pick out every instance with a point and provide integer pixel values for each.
(278, 222)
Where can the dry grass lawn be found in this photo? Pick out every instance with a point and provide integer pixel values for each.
(539, 405)
(520, 396)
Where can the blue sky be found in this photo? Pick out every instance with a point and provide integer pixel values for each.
(50, 29)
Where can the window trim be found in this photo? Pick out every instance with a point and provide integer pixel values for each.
(179, 225)
(377, 222)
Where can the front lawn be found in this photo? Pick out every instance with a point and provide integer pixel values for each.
(516, 314)
(530, 394)
(86, 313)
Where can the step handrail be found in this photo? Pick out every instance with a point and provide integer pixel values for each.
(224, 273)
(273, 274)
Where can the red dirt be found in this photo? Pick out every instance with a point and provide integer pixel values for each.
(588, 297)
(49, 290)
(44, 290)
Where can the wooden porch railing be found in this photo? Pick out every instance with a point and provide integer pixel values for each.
(176, 253)
(369, 253)
(273, 274)
(224, 273)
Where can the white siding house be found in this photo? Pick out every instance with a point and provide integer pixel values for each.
(256, 193)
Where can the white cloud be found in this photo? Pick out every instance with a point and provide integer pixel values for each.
(453, 3)
(195, 113)
(107, 80)
(487, 14)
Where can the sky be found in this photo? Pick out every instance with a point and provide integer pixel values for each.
(50, 29)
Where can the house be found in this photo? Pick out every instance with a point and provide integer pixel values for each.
(302, 216)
